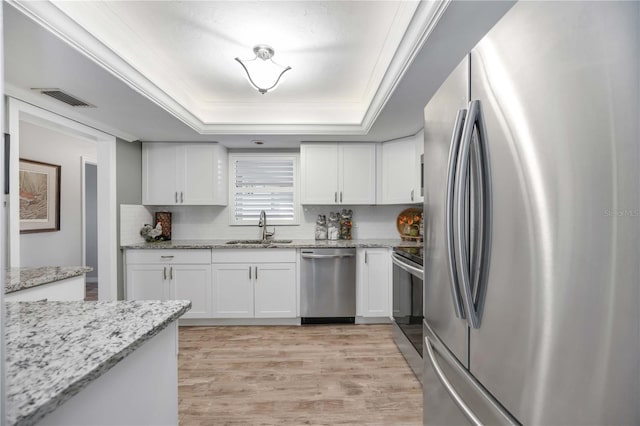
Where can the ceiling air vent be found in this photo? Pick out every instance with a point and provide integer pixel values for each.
(64, 97)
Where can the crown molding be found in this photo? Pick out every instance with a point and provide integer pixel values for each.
(422, 25)
(50, 17)
(47, 15)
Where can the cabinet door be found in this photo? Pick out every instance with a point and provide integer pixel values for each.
(148, 282)
(159, 184)
(199, 175)
(319, 173)
(357, 166)
(399, 161)
(193, 282)
(375, 283)
(232, 290)
(275, 290)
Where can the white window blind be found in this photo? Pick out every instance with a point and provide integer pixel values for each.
(264, 183)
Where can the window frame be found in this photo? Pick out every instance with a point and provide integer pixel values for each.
(295, 156)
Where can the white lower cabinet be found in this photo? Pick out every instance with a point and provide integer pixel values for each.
(221, 284)
(193, 282)
(148, 282)
(264, 289)
(232, 290)
(374, 282)
(171, 274)
(275, 290)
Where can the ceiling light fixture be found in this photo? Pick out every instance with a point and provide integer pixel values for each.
(262, 72)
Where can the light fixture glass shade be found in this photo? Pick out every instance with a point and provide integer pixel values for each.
(263, 72)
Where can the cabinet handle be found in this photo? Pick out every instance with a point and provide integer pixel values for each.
(166, 257)
(340, 196)
(412, 195)
(256, 273)
(366, 257)
(164, 272)
(171, 273)
(182, 197)
(176, 197)
(335, 197)
(249, 272)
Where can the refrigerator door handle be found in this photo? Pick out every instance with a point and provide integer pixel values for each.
(469, 414)
(473, 305)
(484, 212)
(449, 222)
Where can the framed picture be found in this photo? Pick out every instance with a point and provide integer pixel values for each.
(39, 197)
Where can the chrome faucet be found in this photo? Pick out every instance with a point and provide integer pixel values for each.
(262, 223)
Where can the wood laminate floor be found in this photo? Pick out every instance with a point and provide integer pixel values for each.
(325, 374)
(90, 292)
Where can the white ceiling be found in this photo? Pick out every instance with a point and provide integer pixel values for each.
(159, 70)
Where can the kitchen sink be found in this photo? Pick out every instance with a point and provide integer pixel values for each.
(259, 242)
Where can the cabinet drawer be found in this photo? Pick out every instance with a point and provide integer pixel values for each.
(178, 256)
(253, 255)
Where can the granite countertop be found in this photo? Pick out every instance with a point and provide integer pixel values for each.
(55, 349)
(26, 277)
(218, 244)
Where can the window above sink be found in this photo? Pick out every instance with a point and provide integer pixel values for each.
(264, 182)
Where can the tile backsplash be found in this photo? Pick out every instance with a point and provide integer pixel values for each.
(132, 218)
(212, 222)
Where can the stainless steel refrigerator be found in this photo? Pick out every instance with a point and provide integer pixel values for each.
(532, 212)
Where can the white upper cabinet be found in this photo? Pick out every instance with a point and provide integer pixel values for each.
(184, 174)
(402, 170)
(318, 173)
(338, 173)
(357, 177)
(159, 180)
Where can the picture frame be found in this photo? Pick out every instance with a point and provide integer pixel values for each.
(39, 185)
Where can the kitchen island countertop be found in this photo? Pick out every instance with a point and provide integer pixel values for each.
(222, 244)
(55, 349)
(22, 278)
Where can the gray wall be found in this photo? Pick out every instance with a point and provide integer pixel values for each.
(128, 187)
(91, 225)
(63, 247)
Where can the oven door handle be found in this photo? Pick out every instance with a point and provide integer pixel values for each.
(397, 260)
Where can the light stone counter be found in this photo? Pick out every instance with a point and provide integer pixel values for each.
(222, 244)
(17, 279)
(55, 349)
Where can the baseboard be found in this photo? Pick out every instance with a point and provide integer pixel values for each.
(266, 321)
(373, 320)
(238, 321)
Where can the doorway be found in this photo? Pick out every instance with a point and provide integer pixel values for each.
(19, 111)
(90, 225)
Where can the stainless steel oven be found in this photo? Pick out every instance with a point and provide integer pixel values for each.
(408, 312)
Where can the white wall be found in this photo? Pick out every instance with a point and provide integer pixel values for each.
(63, 247)
(211, 222)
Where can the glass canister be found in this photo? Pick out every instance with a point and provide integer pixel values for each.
(321, 227)
(333, 226)
(346, 223)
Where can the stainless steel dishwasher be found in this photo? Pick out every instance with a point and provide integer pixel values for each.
(328, 285)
